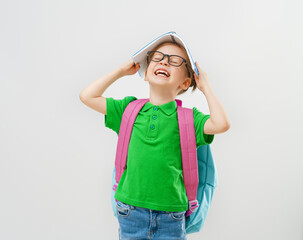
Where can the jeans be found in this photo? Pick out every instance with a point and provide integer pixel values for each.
(142, 223)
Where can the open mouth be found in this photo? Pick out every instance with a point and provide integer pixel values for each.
(162, 73)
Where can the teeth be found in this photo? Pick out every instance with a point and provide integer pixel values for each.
(163, 72)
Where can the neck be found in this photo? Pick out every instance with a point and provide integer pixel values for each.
(159, 96)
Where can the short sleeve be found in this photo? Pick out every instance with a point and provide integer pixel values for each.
(199, 121)
(114, 112)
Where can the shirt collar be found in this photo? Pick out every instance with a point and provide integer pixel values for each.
(168, 108)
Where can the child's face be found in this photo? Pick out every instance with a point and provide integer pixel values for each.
(178, 76)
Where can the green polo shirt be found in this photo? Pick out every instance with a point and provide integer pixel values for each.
(153, 177)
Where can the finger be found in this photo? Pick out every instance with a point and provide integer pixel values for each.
(196, 76)
(198, 66)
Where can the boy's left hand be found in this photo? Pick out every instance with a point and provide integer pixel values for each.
(201, 80)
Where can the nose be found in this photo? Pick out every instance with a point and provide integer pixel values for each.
(165, 61)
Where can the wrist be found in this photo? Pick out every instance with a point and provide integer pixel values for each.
(206, 88)
(119, 72)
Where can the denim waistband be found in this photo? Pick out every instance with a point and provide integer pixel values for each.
(149, 210)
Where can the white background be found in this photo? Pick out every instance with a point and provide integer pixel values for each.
(57, 156)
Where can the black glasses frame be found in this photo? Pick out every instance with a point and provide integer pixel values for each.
(148, 59)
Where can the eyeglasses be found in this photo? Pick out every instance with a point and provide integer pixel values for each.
(157, 56)
(173, 60)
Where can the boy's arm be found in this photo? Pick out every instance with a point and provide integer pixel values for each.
(218, 121)
(92, 94)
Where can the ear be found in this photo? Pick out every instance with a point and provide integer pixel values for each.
(186, 83)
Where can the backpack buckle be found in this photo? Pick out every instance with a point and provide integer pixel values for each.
(193, 205)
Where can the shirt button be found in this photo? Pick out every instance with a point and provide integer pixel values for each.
(155, 108)
(152, 126)
(154, 117)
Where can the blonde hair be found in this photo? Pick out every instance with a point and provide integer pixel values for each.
(190, 70)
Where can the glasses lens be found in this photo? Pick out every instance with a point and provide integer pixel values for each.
(156, 56)
(175, 60)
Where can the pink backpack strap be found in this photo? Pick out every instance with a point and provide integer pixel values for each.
(128, 118)
(189, 156)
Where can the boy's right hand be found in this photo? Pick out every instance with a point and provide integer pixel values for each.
(129, 67)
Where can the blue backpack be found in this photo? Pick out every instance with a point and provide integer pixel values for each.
(207, 179)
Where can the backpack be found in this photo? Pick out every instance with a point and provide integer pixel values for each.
(199, 170)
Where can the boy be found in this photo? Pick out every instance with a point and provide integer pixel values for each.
(151, 194)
